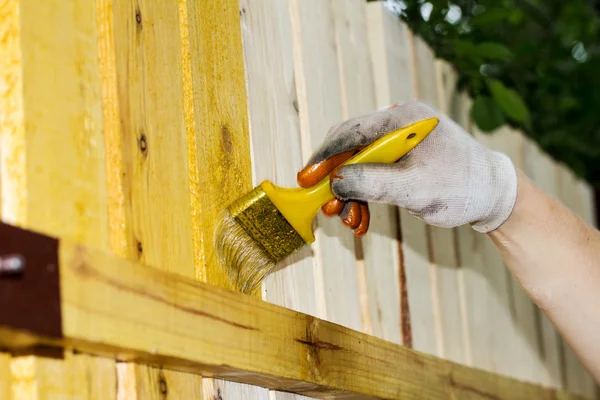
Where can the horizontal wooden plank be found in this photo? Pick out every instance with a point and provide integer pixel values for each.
(121, 308)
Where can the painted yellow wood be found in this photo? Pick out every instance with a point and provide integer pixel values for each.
(220, 118)
(147, 100)
(189, 325)
(153, 383)
(154, 167)
(5, 379)
(275, 132)
(52, 153)
(320, 107)
(76, 377)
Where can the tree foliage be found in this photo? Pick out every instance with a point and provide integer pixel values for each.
(534, 64)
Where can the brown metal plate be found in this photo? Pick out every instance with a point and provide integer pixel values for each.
(31, 300)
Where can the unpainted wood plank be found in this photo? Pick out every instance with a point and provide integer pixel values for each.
(320, 107)
(276, 148)
(443, 241)
(378, 270)
(448, 318)
(220, 119)
(5, 379)
(153, 137)
(74, 377)
(543, 171)
(527, 353)
(493, 333)
(52, 153)
(275, 132)
(154, 383)
(577, 379)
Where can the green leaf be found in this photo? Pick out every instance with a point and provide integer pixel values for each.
(509, 101)
(486, 114)
(490, 17)
(493, 50)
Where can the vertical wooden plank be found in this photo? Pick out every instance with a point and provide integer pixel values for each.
(390, 45)
(142, 50)
(276, 147)
(225, 391)
(5, 379)
(577, 379)
(543, 171)
(489, 297)
(319, 100)
(52, 155)
(275, 131)
(442, 251)
(153, 138)
(222, 141)
(154, 383)
(75, 377)
(378, 268)
(220, 118)
(525, 327)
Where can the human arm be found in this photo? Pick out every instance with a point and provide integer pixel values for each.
(450, 180)
(555, 257)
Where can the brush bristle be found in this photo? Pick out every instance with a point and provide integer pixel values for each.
(245, 261)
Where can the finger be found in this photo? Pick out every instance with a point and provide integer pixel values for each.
(381, 183)
(365, 219)
(351, 215)
(314, 173)
(362, 131)
(333, 207)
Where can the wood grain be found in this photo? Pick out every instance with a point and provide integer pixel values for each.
(275, 132)
(153, 383)
(378, 269)
(390, 45)
(146, 108)
(196, 327)
(448, 318)
(577, 379)
(74, 377)
(5, 378)
(527, 361)
(220, 119)
(320, 107)
(52, 153)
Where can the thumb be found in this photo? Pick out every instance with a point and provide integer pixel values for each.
(382, 183)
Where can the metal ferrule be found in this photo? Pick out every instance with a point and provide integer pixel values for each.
(262, 221)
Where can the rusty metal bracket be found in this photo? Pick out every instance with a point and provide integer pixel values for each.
(29, 282)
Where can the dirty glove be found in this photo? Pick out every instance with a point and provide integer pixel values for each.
(448, 180)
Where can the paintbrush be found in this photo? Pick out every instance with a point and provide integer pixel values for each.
(266, 225)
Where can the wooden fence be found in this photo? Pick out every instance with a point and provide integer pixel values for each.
(127, 125)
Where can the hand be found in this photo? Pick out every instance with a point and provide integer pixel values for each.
(448, 180)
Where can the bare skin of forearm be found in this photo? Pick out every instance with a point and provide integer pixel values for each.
(555, 257)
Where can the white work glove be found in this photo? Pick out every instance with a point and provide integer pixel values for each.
(448, 180)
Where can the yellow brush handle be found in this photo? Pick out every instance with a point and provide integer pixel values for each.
(300, 206)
